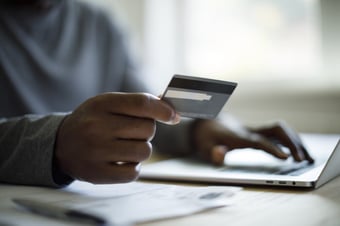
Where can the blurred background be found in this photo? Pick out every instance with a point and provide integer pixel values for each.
(285, 55)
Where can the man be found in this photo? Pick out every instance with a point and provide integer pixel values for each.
(65, 56)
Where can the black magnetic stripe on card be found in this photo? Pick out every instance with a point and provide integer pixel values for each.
(208, 85)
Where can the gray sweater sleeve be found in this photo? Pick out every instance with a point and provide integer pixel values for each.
(27, 148)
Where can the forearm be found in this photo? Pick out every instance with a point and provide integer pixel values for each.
(27, 149)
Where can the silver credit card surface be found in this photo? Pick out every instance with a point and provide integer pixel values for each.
(197, 97)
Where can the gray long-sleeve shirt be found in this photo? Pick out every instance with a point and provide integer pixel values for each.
(51, 61)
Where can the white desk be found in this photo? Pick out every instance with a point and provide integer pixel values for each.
(266, 206)
(251, 206)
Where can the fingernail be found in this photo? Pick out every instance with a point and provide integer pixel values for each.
(177, 118)
(174, 120)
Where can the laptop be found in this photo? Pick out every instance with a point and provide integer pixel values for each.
(254, 167)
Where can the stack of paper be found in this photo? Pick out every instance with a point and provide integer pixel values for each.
(119, 204)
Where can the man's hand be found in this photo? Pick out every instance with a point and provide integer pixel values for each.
(105, 139)
(212, 140)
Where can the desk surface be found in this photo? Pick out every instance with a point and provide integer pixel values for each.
(272, 206)
(250, 206)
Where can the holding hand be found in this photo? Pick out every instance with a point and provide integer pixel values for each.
(213, 140)
(105, 139)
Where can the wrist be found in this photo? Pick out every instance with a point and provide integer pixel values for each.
(59, 176)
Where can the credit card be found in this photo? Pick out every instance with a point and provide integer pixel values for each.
(197, 97)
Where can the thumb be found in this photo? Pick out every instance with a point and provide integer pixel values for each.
(217, 154)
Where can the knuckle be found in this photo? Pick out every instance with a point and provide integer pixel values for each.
(94, 102)
(142, 129)
(87, 123)
(151, 130)
(279, 125)
(256, 140)
(90, 130)
(145, 151)
(141, 151)
(276, 126)
(143, 100)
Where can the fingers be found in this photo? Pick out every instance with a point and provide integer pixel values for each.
(127, 151)
(106, 137)
(294, 141)
(125, 127)
(115, 163)
(118, 163)
(139, 105)
(284, 135)
(111, 173)
(212, 141)
(307, 155)
(260, 142)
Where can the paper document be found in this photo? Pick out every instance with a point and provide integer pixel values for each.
(120, 204)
